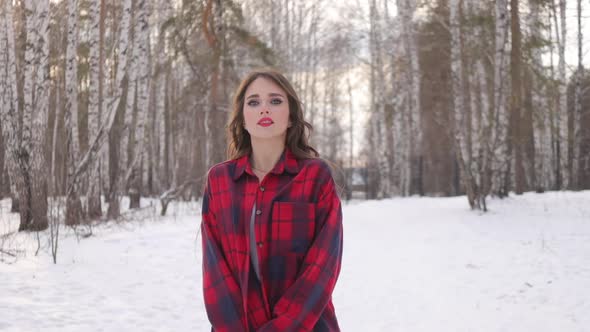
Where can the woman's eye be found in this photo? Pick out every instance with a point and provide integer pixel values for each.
(276, 101)
(252, 103)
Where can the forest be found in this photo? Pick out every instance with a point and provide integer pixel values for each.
(103, 99)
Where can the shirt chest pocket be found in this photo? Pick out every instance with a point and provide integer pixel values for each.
(293, 227)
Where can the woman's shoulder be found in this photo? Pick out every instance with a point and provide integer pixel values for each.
(316, 162)
(317, 167)
(222, 169)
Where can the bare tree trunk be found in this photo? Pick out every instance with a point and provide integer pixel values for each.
(160, 88)
(499, 134)
(216, 117)
(373, 135)
(103, 154)
(116, 100)
(562, 118)
(9, 102)
(406, 139)
(141, 49)
(127, 140)
(351, 141)
(411, 169)
(35, 89)
(414, 86)
(577, 138)
(73, 204)
(516, 99)
(542, 110)
(481, 111)
(527, 129)
(167, 139)
(314, 59)
(554, 107)
(458, 91)
(94, 106)
(39, 124)
(53, 176)
(24, 148)
(287, 35)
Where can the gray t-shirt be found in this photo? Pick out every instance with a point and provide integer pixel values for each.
(253, 250)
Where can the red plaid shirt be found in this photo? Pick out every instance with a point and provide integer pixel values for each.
(298, 230)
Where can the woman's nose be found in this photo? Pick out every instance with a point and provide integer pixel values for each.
(265, 111)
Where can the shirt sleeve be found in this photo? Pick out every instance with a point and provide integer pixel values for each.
(221, 292)
(302, 304)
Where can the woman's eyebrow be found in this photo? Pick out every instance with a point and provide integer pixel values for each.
(272, 94)
(275, 95)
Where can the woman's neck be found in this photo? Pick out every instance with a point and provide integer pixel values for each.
(266, 153)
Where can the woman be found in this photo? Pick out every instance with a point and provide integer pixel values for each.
(272, 220)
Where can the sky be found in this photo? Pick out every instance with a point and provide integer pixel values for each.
(571, 46)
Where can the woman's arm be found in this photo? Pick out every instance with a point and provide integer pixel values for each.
(223, 300)
(302, 304)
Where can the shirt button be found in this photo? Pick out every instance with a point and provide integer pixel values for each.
(258, 212)
(261, 188)
(260, 244)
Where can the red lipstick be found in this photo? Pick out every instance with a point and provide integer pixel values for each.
(265, 122)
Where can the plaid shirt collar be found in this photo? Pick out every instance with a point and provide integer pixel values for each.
(287, 162)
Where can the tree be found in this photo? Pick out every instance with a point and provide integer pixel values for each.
(73, 204)
(577, 115)
(31, 155)
(515, 119)
(96, 45)
(563, 161)
(141, 51)
(439, 162)
(499, 135)
(115, 103)
(542, 113)
(406, 11)
(458, 88)
(9, 100)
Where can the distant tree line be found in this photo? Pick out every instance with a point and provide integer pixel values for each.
(472, 97)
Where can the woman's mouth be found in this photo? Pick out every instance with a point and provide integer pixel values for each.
(265, 122)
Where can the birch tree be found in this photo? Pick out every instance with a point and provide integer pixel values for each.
(73, 204)
(577, 141)
(413, 149)
(516, 142)
(39, 119)
(9, 102)
(374, 132)
(542, 110)
(141, 50)
(479, 118)
(127, 140)
(35, 95)
(214, 31)
(116, 100)
(94, 106)
(499, 135)
(458, 88)
(24, 149)
(562, 116)
(160, 87)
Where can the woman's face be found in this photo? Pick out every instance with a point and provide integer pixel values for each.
(266, 110)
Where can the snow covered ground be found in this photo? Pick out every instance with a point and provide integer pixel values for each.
(411, 264)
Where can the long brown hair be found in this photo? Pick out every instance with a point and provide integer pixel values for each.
(297, 140)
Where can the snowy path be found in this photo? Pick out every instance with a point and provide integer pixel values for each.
(414, 264)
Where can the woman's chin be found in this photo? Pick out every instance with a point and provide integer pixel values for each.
(268, 136)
